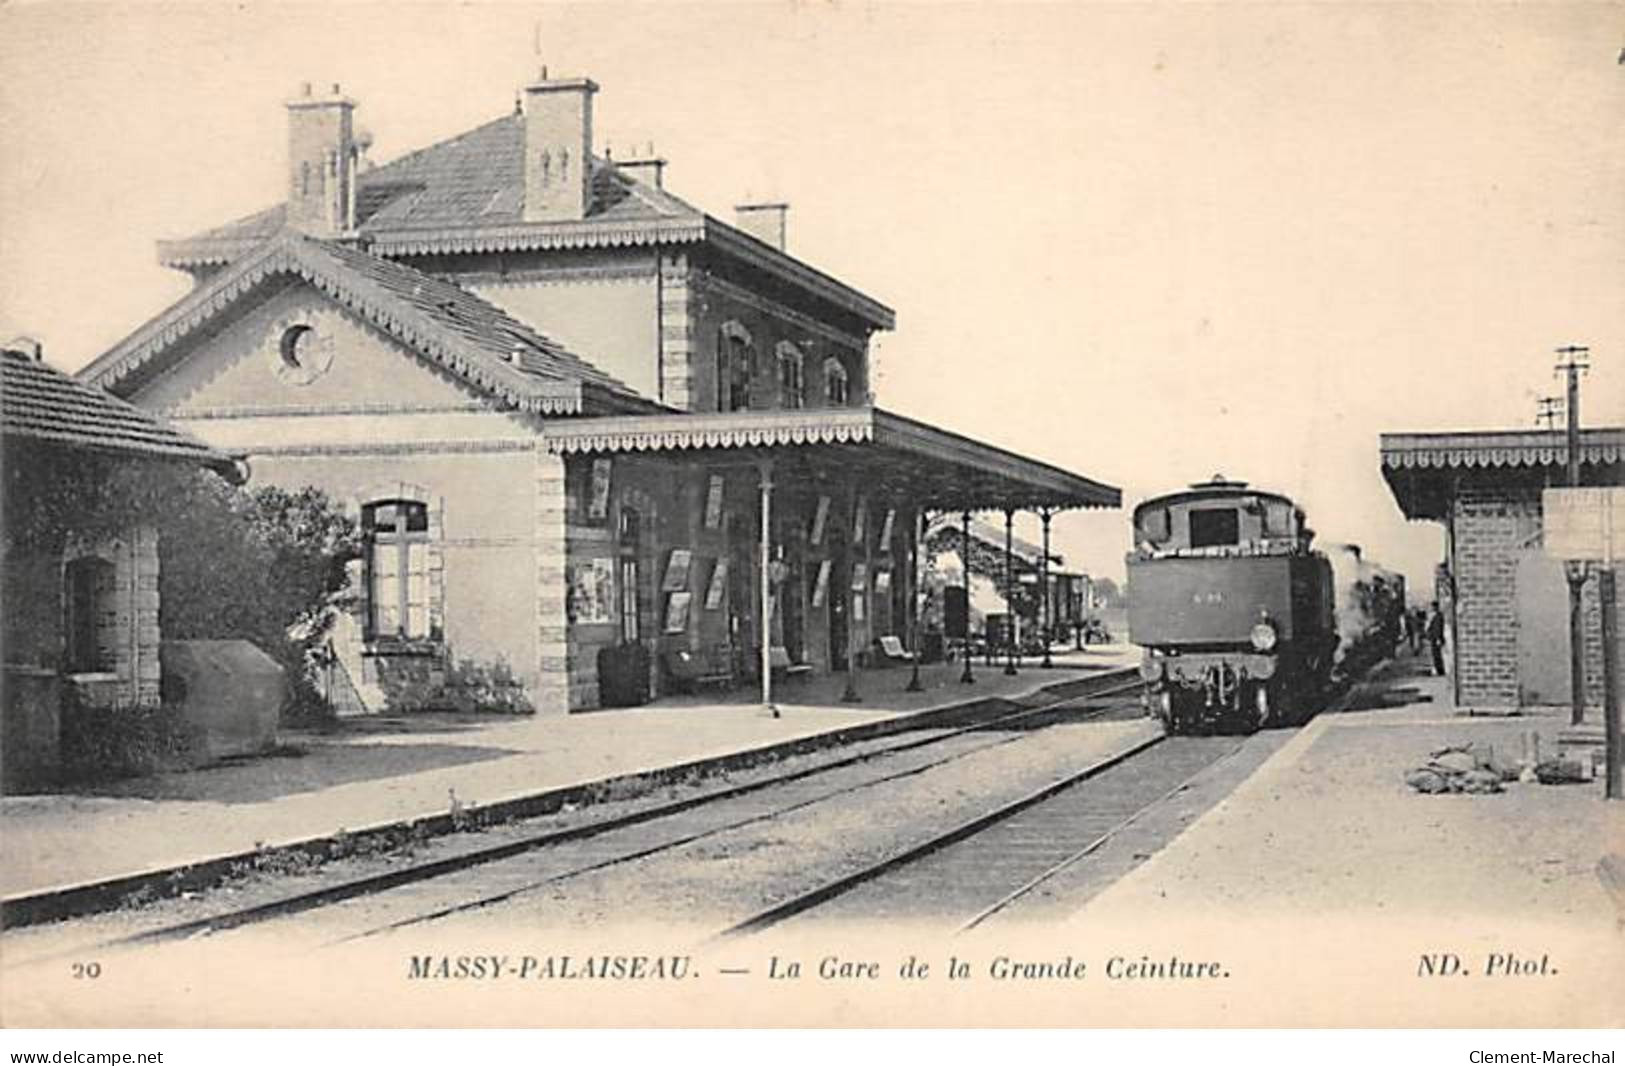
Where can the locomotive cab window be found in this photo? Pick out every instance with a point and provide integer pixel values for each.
(1277, 519)
(1215, 527)
(1154, 525)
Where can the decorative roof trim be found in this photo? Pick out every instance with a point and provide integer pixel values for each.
(821, 426)
(205, 251)
(453, 240)
(307, 260)
(1499, 448)
(739, 429)
(536, 237)
(524, 237)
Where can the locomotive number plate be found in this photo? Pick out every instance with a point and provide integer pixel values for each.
(1208, 597)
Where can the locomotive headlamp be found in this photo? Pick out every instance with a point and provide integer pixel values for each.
(1264, 635)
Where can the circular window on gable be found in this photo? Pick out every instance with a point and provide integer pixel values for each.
(295, 338)
(303, 353)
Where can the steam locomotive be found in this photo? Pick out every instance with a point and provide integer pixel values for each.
(1236, 612)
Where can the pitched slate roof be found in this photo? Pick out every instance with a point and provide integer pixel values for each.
(466, 194)
(41, 402)
(474, 180)
(472, 339)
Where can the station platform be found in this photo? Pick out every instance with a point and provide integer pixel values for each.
(382, 771)
(1324, 862)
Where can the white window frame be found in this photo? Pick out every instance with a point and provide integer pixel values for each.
(399, 556)
(835, 374)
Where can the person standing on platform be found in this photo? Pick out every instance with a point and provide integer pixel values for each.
(1435, 637)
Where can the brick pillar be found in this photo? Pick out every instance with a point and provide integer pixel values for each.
(552, 694)
(1591, 623)
(1490, 529)
(144, 563)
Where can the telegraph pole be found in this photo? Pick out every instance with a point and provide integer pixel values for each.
(1575, 360)
(1549, 407)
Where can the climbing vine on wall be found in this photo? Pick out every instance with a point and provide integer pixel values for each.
(267, 565)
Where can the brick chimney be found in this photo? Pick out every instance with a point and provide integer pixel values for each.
(765, 222)
(321, 163)
(558, 148)
(30, 347)
(648, 168)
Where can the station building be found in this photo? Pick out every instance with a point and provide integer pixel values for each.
(1011, 570)
(571, 411)
(1505, 599)
(81, 622)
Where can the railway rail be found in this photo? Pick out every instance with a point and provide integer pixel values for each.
(598, 843)
(993, 865)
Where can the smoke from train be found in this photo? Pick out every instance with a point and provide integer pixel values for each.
(1370, 600)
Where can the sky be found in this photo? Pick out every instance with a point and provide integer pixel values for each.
(1147, 243)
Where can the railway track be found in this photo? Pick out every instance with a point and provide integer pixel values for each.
(996, 865)
(598, 843)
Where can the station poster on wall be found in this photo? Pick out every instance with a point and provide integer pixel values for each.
(713, 502)
(676, 579)
(592, 591)
(677, 611)
(821, 585)
(718, 586)
(598, 495)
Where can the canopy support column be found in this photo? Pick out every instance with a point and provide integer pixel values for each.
(1009, 595)
(917, 521)
(965, 675)
(1085, 605)
(764, 472)
(1046, 607)
(851, 693)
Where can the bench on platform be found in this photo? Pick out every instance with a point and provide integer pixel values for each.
(891, 649)
(778, 660)
(691, 670)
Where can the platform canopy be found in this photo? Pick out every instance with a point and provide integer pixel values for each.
(1425, 471)
(884, 452)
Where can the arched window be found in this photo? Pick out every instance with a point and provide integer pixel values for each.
(835, 385)
(397, 541)
(734, 357)
(92, 622)
(792, 381)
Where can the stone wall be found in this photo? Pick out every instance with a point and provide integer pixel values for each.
(555, 690)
